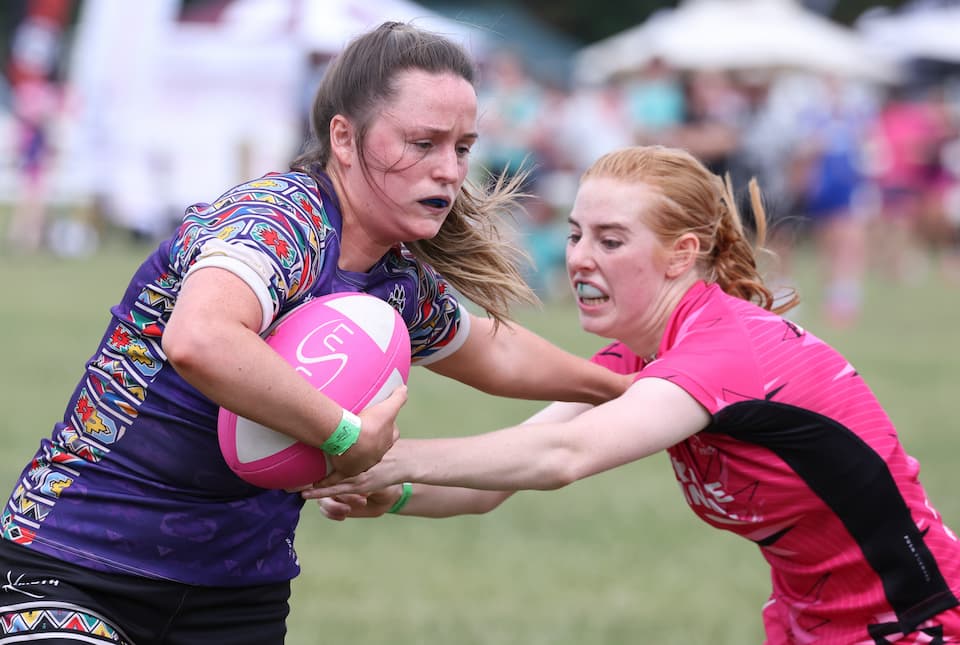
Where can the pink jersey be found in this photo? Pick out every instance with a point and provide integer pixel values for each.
(801, 459)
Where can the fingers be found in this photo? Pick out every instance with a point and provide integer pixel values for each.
(333, 510)
(398, 396)
(379, 432)
(392, 404)
(341, 507)
(320, 490)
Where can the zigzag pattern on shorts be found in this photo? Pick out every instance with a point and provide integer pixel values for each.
(55, 621)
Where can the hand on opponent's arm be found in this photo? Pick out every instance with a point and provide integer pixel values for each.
(651, 416)
(424, 501)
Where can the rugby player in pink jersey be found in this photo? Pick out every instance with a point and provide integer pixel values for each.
(772, 434)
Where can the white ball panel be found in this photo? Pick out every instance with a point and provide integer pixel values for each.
(375, 317)
(255, 441)
(393, 381)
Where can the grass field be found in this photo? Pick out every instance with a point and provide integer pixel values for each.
(614, 559)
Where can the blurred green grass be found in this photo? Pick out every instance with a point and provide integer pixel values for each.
(614, 559)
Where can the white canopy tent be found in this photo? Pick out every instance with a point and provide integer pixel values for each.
(735, 34)
(930, 32)
(325, 26)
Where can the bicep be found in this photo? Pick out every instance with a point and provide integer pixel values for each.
(213, 296)
(652, 415)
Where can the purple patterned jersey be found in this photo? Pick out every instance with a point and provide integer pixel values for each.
(132, 479)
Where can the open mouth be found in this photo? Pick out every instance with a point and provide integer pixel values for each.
(590, 295)
(435, 202)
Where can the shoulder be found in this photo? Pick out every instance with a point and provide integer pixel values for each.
(618, 358)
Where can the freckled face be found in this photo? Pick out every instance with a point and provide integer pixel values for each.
(616, 264)
(417, 152)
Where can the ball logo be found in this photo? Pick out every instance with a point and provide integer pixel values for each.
(333, 334)
(352, 346)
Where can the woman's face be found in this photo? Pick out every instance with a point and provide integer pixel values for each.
(616, 264)
(416, 151)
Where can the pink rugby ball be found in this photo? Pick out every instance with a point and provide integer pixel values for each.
(352, 346)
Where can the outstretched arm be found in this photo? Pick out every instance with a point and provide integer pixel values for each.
(425, 501)
(515, 362)
(651, 416)
(438, 501)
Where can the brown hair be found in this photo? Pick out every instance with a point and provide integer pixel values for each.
(471, 250)
(694, 200)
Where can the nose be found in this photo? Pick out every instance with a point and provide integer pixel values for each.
(578, 256)
(447, 165)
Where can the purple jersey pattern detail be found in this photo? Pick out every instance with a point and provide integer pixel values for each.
(132, 479)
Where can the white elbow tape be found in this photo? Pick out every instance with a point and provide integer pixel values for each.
(244, 262)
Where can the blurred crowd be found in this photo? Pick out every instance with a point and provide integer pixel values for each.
(869, 175)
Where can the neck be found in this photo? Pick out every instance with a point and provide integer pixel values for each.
(645, 343)
(359, 250)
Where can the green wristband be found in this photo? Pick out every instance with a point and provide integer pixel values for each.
(405, 493)
(346, 434)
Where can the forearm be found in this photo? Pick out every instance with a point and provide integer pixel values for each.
(515, 362)
(238, 371)
(551, 373)
(211, 341)
(444, 501)
(532, 457)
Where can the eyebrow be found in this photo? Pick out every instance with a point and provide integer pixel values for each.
(432, 131)
(614, 226)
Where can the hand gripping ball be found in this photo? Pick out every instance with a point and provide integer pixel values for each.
(353, 347)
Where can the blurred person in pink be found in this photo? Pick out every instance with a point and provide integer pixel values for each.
(906, 146)
(772, 434)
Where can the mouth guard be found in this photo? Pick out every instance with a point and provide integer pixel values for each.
(588, 291)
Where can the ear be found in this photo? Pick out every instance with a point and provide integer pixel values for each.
(683, 255)
(342, 140)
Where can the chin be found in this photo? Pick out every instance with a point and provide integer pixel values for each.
(594, 326)
(426, 232)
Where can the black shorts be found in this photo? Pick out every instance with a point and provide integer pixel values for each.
(47, 600)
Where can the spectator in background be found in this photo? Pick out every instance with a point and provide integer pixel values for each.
(768, 141)
(654, 101)
(832, 128)
(906, 147)
(513, 106)
(33, 72)
(512, 103)
(714, 116)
